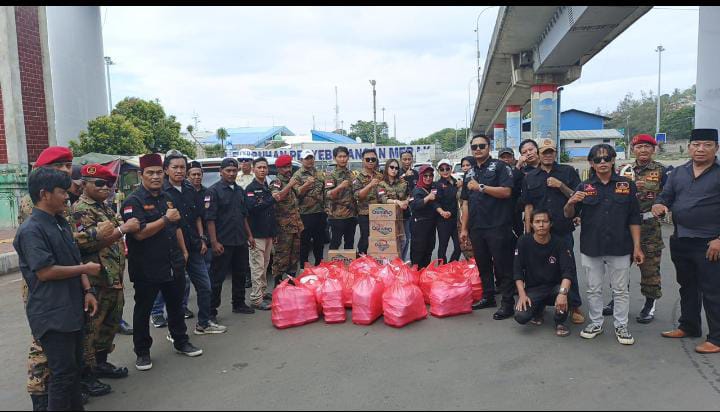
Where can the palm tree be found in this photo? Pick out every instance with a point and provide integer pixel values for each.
(222, 134)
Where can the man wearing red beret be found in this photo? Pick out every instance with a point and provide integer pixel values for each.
(90, 211)
(289, 222)
(650, 177)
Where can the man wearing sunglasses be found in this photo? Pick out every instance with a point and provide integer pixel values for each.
(90, 210)
(312, 209)
(340, 202)
(608, 207)
(487, 221)
(365, 191)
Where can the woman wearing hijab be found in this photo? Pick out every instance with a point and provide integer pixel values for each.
(424, 216)
(466, 164)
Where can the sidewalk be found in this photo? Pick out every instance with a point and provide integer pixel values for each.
(8, 256)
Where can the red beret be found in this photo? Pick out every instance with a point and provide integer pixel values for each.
(644, 138)
(98, 171)
(284, 160)
(150, 160)
(54, 154)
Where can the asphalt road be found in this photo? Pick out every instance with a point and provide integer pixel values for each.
(464, 362)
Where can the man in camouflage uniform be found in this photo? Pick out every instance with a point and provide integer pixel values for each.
(340, 202)
(89, 212)
(650, 177)
(289, 221)
(365, 192)
(310, 202)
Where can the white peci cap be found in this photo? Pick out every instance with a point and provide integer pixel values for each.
(444, 162)
(305, 153)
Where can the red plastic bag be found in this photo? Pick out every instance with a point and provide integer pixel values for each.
(402, 304)
(364, 266)
(313, 278)
(448, 298)
(406, 274)
(386, 274)
(472, 272)
(348, 281)
(427, 277)
(367, 302)
(292, 305)
(331, 299)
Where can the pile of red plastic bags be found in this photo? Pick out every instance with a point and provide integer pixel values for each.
(395, 291)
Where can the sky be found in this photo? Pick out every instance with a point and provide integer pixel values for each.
(265, 66)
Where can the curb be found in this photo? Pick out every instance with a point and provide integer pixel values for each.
(9, 263)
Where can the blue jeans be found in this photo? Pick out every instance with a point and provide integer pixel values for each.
(406, 243)
(197, 271)
(574, 299)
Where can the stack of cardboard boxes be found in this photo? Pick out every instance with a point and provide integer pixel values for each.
(386, 232)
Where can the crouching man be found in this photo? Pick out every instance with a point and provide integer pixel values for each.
(543, 269)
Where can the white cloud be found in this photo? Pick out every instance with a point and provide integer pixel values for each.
(240, 66)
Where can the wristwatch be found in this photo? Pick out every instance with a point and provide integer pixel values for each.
(482, 187)
(563, 291)
(91, 289)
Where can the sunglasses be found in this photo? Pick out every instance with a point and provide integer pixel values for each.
(479, 146)
(444, 169)
(371, 159)
(598, 160)
(100, 182)
(393, 167)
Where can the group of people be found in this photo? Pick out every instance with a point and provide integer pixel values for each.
(514, 217)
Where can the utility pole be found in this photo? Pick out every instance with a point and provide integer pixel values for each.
(383, 119)
(195, 119)
(659, 50)
(394, 127)
(313, 122)
(108, 62)
(337, 111)
(373, 82)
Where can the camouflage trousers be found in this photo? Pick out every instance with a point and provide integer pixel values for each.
(287, 253)
(38, 369)
(101, 329)
(652, 245)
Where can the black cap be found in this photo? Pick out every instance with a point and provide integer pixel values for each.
(195, 164)
(227, 162)
(506, 150)
(704, 134)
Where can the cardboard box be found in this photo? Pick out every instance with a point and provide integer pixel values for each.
(343, 255)
(386, 229)
(385, 246)
(384, 258)
(380, 211)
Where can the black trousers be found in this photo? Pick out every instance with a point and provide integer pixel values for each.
(64, 351)
(541, 296)
(422, 242)
(494, 257)
(342, 228)
(363, 242)
(699, 281)
(236, 261)
(312, 237)
(447, 229)
(145, 294)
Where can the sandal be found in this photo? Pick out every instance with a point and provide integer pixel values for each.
(561, 331)
(538, 321)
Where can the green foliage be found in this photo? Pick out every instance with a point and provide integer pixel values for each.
(113, 134)
(364, 130)
(222, 135)
(448, 139)
(564, 157)
(677, 113)
(214, 150)
(160, 132)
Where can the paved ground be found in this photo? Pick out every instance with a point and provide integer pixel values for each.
(465, 362)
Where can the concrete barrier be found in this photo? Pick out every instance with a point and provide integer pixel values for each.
(9, 263)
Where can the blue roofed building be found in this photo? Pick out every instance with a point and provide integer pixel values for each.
(320, 136)
(249, 137)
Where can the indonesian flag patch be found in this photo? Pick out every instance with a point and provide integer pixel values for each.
(127, 210)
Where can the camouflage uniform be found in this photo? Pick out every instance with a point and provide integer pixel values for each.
(395, 191)
(287, 215)
(312, 201)
(650, 230)
(38, 370)
(362, 180)
(343, 206)
(100, 330)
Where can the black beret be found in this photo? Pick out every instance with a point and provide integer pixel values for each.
(704, 134)
(227, 162)
(195, 164)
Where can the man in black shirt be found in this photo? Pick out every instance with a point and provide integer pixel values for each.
(543, 271)
(487, 220)
(230, 235)
(411, 177)
(548, 187)
(692, 193)
(195, 177)
(507, 155)
(609, 238)
(261, 216)
(57, 280)
(156, 261)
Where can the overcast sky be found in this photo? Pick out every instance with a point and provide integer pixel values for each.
(259, 66)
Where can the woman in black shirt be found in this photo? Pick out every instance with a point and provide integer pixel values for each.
(447, 200)
(424, 215)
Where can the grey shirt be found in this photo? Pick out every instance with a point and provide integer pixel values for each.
(42, 241)
(694, 202)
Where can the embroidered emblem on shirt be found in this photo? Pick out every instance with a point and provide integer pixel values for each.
(622, 188)
(551, 260)
(590, 190)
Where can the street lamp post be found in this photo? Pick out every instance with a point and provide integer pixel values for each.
(373, 82)
(468, 117)
(659, 51)
(108, 62)
(477, 42)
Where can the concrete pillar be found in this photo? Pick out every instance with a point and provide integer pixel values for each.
(514, 126)
(707, 101)
(543, 100)
(499, 136)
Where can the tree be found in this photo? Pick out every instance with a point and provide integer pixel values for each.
(160, 132)
(113, 134)
(222, 134)
(364, 130)
(448, 139)
(214, 150)
(190, 130)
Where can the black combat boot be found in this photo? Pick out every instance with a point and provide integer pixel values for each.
(647, 314)
(90, 384)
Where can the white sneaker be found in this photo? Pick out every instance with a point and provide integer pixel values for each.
(591, 331)
(624, 336)
(212, 328)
